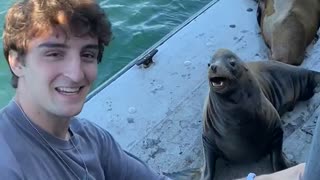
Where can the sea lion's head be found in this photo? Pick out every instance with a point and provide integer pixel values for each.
(225, 71)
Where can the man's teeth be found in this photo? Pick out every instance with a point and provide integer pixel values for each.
(68, 89)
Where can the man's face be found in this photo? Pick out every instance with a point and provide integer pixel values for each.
(58, 73)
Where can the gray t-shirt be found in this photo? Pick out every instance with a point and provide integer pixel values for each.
(25, 155)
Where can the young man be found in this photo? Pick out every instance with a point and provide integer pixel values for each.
(53, 48)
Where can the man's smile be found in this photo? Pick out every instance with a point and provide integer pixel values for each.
(69, 90)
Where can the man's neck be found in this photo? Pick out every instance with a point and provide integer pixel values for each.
(56, 126)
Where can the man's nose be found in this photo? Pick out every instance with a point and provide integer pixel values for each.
(74, 69)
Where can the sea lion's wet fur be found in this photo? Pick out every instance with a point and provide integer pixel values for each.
(288, 27)
(242, 119)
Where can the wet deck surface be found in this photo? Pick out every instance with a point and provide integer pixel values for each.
(156, 113)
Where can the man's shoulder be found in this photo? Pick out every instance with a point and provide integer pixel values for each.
(6, 121)
(83, 126)
(10, 138)
(6, 154)
(3, 113)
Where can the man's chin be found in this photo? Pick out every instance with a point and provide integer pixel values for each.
(70, 111)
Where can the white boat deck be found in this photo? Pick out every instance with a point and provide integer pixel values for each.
(156, 112)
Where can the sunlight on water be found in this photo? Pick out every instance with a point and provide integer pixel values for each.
(136, 25)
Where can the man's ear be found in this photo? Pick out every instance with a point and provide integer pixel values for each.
(15, 64)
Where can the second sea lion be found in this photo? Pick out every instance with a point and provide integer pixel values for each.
(288, 27)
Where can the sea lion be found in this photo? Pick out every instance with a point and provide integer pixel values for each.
(241, 119)
(288, 27)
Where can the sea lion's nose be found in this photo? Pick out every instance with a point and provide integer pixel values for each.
(213, 68)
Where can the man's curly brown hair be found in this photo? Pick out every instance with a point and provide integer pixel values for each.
(28, 19)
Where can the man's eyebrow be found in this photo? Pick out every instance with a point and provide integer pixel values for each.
(52, 45)
(61, 45)
(91, 46)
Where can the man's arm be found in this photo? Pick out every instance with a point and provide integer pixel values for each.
(137, 169)
(123, 165)
(293, 173)
(312, 171)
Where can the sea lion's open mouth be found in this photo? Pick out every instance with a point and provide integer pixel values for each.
(218, 81)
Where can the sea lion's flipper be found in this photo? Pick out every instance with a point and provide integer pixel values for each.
(291, 107)
(281, 161)
(284, 85)
(259, 11)
(316, 89)
(278, 160)
(187, 174)
(211, 155)
(316, 76)
(316, 36)
(315, 39)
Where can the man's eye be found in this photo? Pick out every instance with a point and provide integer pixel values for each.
(88, 55)
(54, 54)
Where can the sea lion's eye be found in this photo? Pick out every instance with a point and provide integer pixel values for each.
(232, 62)
(208, 64)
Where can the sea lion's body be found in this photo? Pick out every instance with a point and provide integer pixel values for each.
(242, 112)
(288, 27)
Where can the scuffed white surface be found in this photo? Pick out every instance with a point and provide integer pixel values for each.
(156, 113)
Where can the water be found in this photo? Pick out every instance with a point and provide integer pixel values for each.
(136, 24)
